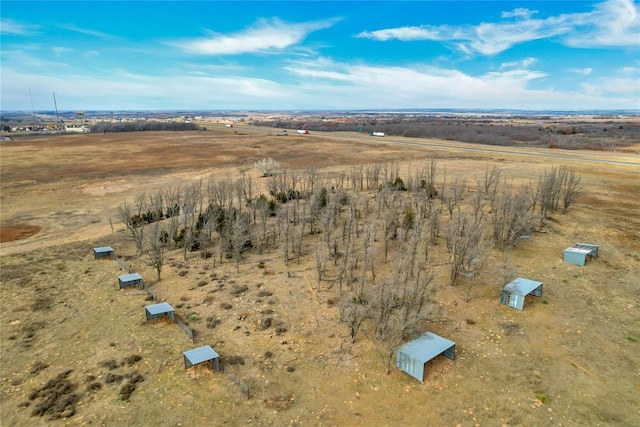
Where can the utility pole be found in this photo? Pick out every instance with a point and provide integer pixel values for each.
(56, 105)
(31, 98)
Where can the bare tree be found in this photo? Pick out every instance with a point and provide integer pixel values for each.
(572, 188)
(133, 225)
(511, 217)
(191, 199)
(464, 243)
(321, 262)
(491, 181)
(156, 242)
(284, 226)
(263, 209)
(267, 166)
(549, 191)
(172, 201)
(357, 307)
(453, 196)
(401, 306)
(240, 224)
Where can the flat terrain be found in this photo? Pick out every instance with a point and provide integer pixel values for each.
(571, 357)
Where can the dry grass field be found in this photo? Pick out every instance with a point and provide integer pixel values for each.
(74, 345)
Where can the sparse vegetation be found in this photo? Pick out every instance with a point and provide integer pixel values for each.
(352, 243)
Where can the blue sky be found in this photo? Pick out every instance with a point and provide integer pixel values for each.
(167, 55)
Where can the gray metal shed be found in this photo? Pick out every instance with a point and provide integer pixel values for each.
(514, 293)
(157, 311)
(104, 252)
(204, 354)
(578, 253)
(130, 280)
(412, 356)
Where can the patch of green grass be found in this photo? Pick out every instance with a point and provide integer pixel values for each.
(565, 280)
(542, 398)
(193, 317)
(544, 301)
(632, 339)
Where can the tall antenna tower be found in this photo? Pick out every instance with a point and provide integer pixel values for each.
(56, 105)
(31, 98)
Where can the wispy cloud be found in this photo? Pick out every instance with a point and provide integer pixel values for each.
(524, 63)
(519, 13)
(410, 87)
(264, 36)
(59, 50)
(612, 23)
(582, 71)
(314, 84)
(9, 26)
(86, 31)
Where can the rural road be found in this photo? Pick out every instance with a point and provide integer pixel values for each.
(592, 157)
(603, 157)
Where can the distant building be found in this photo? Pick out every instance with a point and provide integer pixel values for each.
(200, 355)
(515, 292)
(411, 357)
(578, 253)
(130, 280)
(76, 129)
(104, 252)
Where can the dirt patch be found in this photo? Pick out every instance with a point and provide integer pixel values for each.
(9, 233)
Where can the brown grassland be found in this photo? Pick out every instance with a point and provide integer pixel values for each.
(571, 357)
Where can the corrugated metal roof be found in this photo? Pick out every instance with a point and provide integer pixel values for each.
(159, 308)
(200, 354)
(130, 277)
(103, 249)
(426, 347)
(521, 286)
(588, 246)
(578, 250)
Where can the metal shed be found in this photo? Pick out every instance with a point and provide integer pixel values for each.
(514, 293)
(104, 252)
(412, 356)
(130, 280)
(578, 253)
(157, 311)
(204, 354)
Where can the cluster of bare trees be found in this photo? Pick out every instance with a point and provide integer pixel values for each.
(142, 125)
(373, 233)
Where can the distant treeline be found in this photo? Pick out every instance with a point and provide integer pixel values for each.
(142, 126)
(582, 135)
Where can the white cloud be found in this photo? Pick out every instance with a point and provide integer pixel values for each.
(311, 84)
(525, 63)
(611, 23)
(265, 36)
(582, 71)
(59, 50)
(520, 12)
(407, 34)
(410, 87)
(32, 62)
(9, 26)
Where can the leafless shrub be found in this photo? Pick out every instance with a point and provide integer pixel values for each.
(267, 166)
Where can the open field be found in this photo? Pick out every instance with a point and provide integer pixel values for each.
(570, 358)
